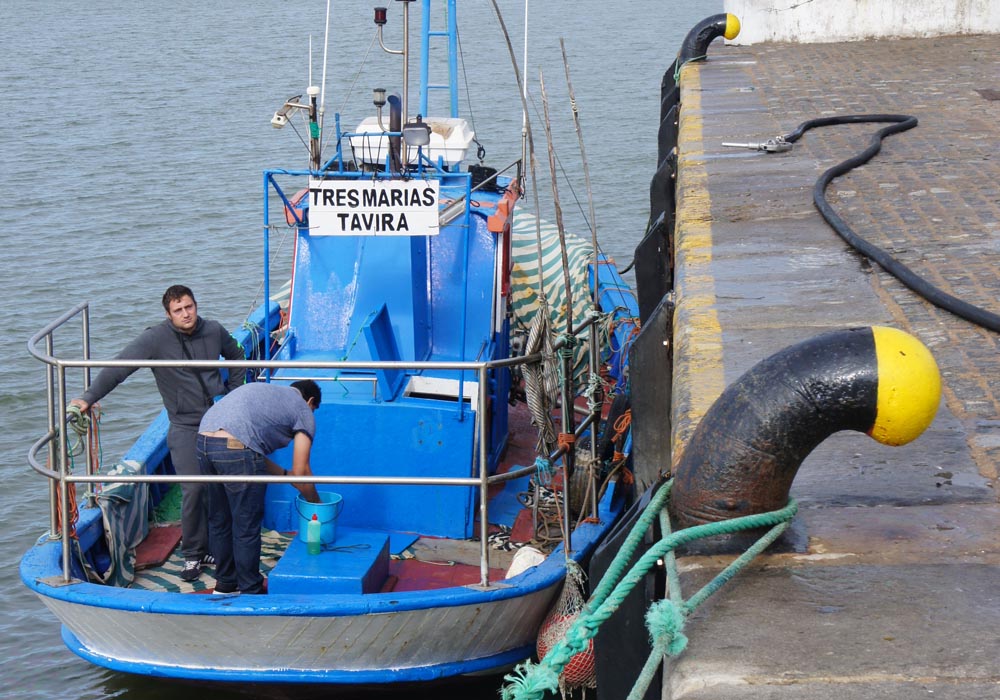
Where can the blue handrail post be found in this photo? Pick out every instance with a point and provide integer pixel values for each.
(453, 55)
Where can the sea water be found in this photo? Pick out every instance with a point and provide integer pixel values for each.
(132, 141)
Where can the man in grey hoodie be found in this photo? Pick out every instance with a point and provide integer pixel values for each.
(187, 393)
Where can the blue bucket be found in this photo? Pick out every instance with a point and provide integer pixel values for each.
(327, 511)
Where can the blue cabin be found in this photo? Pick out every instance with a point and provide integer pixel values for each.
(426, 294)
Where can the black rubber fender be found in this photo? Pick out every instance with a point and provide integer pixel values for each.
(695, 44)
(745, 452)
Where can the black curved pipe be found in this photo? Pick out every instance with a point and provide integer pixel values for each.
(747, 449)
(661, 188)
(695, 44)
(694, 48)
(915, 282)
(395, 125)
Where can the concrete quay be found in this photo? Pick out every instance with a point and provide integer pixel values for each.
(891, 587)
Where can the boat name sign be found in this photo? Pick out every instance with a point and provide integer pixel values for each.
(373, 207)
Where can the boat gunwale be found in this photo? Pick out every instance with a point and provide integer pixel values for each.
(34, 570)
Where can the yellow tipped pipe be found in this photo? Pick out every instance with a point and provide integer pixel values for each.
(732, 26)
(909, 387)
(695, 44)
(749, 446)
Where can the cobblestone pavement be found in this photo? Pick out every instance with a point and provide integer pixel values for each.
(931, 197)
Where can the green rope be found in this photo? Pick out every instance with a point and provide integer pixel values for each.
(665, 622)
(666, 635)
(545, 470)
(677, 70)
(79, 424)
(350, 349)
(531, 681)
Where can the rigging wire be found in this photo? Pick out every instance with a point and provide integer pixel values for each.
(350, 90)
(274, 257)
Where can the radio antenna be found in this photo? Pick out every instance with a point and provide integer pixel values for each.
(326, 47)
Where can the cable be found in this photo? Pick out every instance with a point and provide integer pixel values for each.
(902, 122)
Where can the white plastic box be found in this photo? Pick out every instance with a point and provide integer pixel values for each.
(450, 140)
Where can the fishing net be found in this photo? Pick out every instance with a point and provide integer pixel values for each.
(580, 672)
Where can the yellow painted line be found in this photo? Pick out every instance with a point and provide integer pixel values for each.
(698, 369)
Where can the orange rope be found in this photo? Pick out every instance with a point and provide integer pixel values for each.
(74, 512)
(621, 424)
(95, 441)
(566, 441)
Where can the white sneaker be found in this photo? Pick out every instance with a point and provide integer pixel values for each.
(192, 570)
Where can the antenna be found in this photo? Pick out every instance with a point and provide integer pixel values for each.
(326, 48)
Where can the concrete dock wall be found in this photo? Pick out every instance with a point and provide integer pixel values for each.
(888, 583)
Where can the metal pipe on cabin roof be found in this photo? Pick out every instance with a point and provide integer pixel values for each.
(395, 142)
(406, 66)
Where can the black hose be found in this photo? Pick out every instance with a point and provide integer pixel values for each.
(918, 284)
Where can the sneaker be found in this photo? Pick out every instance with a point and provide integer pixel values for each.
(208, 560)
(223, 588)
(192, 570)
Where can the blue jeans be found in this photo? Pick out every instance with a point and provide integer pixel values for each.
(235, 514)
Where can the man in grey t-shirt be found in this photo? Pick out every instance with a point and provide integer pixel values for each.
(234, 439)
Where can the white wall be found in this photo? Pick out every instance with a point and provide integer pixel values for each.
(809, 21)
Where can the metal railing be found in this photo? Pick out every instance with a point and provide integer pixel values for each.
(57, 466)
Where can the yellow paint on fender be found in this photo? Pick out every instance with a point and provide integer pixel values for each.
(732, 26)
(909, 387)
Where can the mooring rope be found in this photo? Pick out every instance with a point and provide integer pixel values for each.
(531, 681)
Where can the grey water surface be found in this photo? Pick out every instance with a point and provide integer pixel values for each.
(132, 139)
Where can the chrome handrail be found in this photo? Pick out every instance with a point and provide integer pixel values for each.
(55, 438)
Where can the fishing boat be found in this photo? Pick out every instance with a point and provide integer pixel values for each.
(466, 382)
